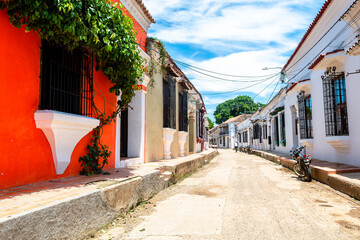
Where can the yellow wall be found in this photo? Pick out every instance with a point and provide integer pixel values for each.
(154, 147)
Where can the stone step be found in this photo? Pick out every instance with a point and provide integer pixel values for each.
(167, 175)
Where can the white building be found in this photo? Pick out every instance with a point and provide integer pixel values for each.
(265, 129)
(319, 107)
(228, 131)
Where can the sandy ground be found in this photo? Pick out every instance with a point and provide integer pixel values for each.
(240, 196)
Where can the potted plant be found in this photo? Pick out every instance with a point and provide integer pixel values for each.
(283, 143)
(277, 143)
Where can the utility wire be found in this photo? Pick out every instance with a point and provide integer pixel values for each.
(336, 37)
(194, 68)
(228, 75)
(322, 37)
(237, 90)
(224, 79)
(272, 93)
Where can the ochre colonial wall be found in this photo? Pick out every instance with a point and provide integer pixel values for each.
(154, 148)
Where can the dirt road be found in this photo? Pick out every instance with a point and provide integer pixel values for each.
(240, 196)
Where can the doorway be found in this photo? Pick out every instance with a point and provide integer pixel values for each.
(124, 133)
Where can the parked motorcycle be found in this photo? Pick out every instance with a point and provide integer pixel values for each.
(302, 165)
(248, 149)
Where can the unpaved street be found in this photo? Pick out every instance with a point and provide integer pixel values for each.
(240, 196)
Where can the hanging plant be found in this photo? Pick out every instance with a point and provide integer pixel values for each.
(100, 27)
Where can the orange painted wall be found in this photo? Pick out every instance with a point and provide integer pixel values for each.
(141, 33)
(25, 154)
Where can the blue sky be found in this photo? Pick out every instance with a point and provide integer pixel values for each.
(236, 37)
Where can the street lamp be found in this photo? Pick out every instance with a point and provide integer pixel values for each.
(282, 74)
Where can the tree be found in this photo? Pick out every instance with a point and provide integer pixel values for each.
(211, 123)
(234, 107)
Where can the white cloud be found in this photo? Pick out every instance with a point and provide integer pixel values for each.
(253, 33)
(242, 64)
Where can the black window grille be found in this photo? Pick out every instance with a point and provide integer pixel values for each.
(335, 105)
(283, 126)
(66, 80)
(305, 116)
(276, 122)
(183, 111)
(256, 131)
(199, 124)
(245, 136)
(169, 110)
(265, 131)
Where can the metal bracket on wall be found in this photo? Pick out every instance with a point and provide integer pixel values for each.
(356, 72)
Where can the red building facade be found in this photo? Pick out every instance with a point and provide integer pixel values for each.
(26, 154)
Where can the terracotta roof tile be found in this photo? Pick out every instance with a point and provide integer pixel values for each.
(312, 25)
(141, 4)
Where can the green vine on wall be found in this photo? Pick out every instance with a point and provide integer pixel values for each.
(98, 26)
(158, 52)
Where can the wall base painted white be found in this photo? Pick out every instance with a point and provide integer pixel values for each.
(182, 140)
(168, 137)
(63, 131)
(206, 146)
(130, 162)
(198, 147)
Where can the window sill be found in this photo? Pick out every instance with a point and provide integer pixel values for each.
(63, 131)
(340, 143)
(307, 142)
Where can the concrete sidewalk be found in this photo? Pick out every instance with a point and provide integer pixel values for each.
(72, 207)
(342, 177)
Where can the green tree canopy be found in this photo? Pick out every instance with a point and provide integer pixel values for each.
(234, 107)
(211, 123)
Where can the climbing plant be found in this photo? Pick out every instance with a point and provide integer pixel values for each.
(101, 28)
(158, 56)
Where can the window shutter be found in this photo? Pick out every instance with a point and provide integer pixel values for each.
(185, 110)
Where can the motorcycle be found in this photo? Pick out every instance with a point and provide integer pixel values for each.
(248, 149)
(302, 165)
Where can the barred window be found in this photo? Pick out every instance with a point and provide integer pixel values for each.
(305, 116)
(282, 117)
(245, 136)
(66, 80)
(335, 104)
(265, 132)
(276, 122)
(183, 110)
(256, 131)
(169, 95)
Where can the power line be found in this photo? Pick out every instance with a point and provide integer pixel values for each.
(239, 89)
(194, 68)
(319, 41)
(272, 93)
(336, 37)
(228, 75)
(224, 79)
